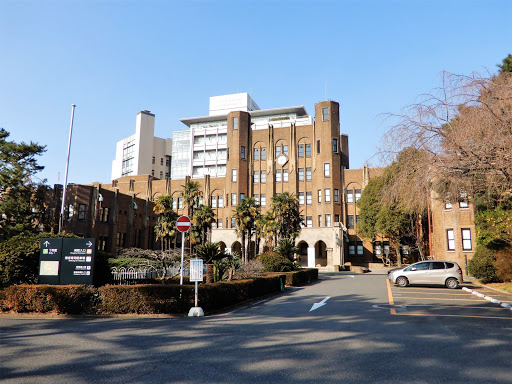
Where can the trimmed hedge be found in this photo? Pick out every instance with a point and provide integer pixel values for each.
(144, 298)
(68, 299)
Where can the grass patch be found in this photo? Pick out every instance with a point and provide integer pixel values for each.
(505, 287)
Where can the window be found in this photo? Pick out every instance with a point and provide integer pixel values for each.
(360, 248)
(358, 194)
(233, 199)
(161, 161)
(438, 265)
(242, 152)
(335, 145)
(153, 159)
(327, 195)
(263, 177)
(263, 199)
(319, 220)
(263, 151)
(70, 211)
(301, 217)
(350, 195)
(214, 202)
(166, 174)
(325, 114)
(256, 177)
(309, 221)
(350, 221)
(301, 174)
(358, 219)
(174, 203)
(450, 236)
(278, 150)
(328, 222)
(220, 201)
(166, 162)
(448, 205)
(161, 174)
(308, 150)
(152, 172)
(309, 198)
(336, 218)
(300, 150)
(318, 146)
(308, 173)
(219, 223)
(466, 239)
(336, 195)
(104, 215)
(285, 150)
(278, 176)
(256, 154)
(180, 202)
(233, 222)
(327, 170)
(257, 198)
(463, 204)
(81, 211)
(242, 196)
(285, 175)
(235, 122)
(301, 198)
(351, 249)
(319, 195)
(233, 175)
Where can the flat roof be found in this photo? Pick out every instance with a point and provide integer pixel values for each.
(299, 110)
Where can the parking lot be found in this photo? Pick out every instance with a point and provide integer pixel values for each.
(472, 301)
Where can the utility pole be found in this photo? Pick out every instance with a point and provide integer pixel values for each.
(61, 221)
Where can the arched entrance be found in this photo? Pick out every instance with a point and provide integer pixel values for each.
(320, 254)
(236, 247)
(222, 246)
(303, 253)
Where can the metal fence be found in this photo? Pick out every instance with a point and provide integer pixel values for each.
(136, 275)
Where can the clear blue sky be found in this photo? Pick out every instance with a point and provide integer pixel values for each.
(115, 58)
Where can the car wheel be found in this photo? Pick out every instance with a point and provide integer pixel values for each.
(402, 281)
(452, 283)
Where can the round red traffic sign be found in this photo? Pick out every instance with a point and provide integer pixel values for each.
(183, 224)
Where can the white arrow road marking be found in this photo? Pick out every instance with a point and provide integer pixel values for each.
(46, 243)
(320, 304)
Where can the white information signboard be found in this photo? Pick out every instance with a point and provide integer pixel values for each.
(196, 270)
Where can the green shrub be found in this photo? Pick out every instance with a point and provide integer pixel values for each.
(482, 265)
(276, 263)
(19, 258)
(504, 264)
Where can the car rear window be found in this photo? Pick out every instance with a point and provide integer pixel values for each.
(449, 265)
(438, 265)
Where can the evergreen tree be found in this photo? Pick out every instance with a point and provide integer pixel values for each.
(17, 190)
(507, 64)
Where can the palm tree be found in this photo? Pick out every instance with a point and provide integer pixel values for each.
(246, 215)
(211, 253)
(284, 209)
(202, 222)
(165, 227)
(191, 194)
(287, 249)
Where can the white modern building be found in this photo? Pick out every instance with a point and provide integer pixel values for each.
(143, 153)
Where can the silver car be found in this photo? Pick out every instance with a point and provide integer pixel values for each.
(428, 272)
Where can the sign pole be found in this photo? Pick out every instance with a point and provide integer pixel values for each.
(182, 256)
(196, 295)
(196, 275)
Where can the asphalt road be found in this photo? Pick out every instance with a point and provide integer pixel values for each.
(365, 332)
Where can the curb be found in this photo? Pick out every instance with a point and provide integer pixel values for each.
(488, 298)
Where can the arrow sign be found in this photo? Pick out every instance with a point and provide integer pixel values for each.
(88, 244)
(320, 304)
(183, 224)
(46, 243)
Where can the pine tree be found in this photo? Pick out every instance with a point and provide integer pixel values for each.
(17, 190)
